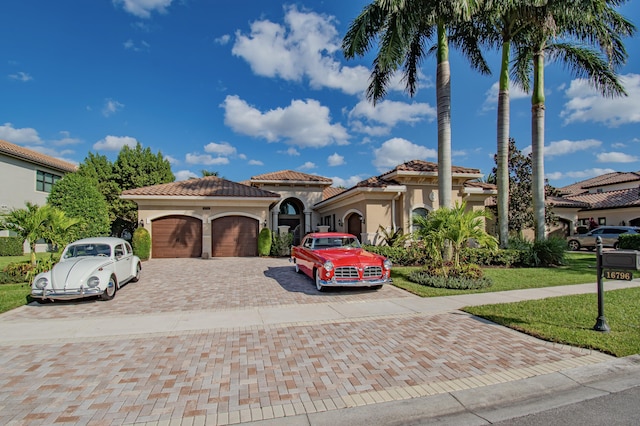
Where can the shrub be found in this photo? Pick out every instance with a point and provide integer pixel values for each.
(501, 257)
(629, 241)
(7, 278)
(281, 244)
(423, 277)
(411, 255)
(549, 252)
(18, 271)
(264, 242)
(11, 246)
(141, 243)
(42, 265)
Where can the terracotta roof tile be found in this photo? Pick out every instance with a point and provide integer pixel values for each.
(483, 185)
(31, 156)
(610, 199)
(290, 175)
(331, 191)
(603, 180)
(427, 166)
(210, 186)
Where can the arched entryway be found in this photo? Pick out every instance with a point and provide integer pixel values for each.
(635, 222)
(291, 214)
(354, 225)
(176, 236)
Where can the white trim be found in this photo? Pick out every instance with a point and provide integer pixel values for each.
(244, 214)
(149, 219)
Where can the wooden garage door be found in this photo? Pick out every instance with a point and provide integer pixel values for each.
(234, 236)
(176, 236)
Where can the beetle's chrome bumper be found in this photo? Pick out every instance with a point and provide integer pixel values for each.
(66, 294)
(354, 283)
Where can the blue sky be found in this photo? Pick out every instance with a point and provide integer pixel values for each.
(252, 86)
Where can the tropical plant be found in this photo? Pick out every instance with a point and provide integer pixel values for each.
(402, 27)
(456, 227)
(264, 242)
(392, 237)
(586, 36)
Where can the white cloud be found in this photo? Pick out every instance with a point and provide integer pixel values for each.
(115, 143)
(305, 46)
(303, 123)
(616, 157)
(111, 107)
(66, 139)
(335, 159)
(131, 45)
(578, 175)
(348, 182)
(587, 105)
(291, 151)
(206, 159)
(564, 147)
(222, 40)
(25, 135)
(390, 113)
(223, 148)
(618, 145)
(308, 166)
(491, 95)
(184, 174)
(397, 150)
(143, 8)
(21, 76)
(171, 160)
(256, 163)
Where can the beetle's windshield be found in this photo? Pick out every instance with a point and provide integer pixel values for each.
(336, 242)
(78, 250)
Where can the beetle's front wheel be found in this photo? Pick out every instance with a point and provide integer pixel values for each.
(111, 289)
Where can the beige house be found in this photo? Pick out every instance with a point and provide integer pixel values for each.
(27, 176)
(216, 217)
(610, 199)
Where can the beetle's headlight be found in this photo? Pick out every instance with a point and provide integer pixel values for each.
(93, 281)
(386, 264)
(41, 283)
(328, 266)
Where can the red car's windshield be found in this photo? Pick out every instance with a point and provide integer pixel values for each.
(335, 242)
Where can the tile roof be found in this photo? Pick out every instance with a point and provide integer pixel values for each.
(603, 180)
(31, 156)
(291, 176)
(483, 185)
(330, 191)
(608, 200)
(210, 186)
(427, 166)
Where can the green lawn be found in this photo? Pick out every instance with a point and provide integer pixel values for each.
(580, 269)
(570, 320)
(14, 295)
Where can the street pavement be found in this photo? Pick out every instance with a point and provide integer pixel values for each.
(229, 341)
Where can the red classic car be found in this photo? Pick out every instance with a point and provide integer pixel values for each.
(336, 259)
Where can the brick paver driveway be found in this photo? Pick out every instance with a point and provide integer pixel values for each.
(237, 374)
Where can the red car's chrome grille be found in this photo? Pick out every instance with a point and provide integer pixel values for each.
(351, 272)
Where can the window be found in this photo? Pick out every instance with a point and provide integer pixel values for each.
(602, 221)
(420, 211)
(45, 181)
(288, 207)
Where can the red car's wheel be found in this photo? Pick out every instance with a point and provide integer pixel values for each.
(319, 285)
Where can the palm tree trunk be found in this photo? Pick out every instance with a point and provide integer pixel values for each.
(443, 94)
(537, 145)
(502, 173)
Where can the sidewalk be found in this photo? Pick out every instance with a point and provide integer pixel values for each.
(376, 361)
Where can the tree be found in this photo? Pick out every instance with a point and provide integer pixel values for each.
(34, 223)
(78, 196)
(403, 26)
(99, 169)
(455, 226)
(559, 31)
(520, 214)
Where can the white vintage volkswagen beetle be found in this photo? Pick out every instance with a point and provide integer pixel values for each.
(88, 267)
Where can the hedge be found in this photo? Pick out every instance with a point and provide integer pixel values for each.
(11, 246)
(629, 241)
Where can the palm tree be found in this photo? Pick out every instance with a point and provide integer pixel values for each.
(456, 227)
(559, 28)
(34, 223)
(402, 27)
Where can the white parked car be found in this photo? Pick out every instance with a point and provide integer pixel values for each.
(89, 267)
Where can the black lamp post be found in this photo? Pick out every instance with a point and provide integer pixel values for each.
(601, 322)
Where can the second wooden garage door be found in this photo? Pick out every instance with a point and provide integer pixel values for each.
(234, 236)
(176, 236)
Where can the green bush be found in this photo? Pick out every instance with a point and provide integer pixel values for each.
(629, 241)
(424, 277)
(411, 255)
(7, 278)
(141, 243)
(264, 242)
(545, 253)
(501, 257)
(18, 271)
(11, 246)
(281, 244)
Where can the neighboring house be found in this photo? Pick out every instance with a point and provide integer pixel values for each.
(211, 216)
(610, 199)
(27, 176)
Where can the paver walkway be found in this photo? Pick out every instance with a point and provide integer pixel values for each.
(223, 341)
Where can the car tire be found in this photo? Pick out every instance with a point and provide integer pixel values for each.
(296, 267)
(319, 286)
(43, 301)
(574, 245)
(110, 292)
(376, 287)
(136, 277)
(615, 245)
